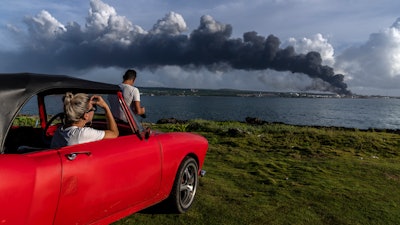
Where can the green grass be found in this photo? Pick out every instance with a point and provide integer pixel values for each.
(283, 174)
(24, 120)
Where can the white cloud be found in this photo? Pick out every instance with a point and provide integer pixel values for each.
(105, 25)
(172, 24)
(44, 26)
(376, 63)
(316, 43)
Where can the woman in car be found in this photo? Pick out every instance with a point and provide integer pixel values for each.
(79, 110)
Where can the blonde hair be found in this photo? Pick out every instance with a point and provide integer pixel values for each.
(75, 106)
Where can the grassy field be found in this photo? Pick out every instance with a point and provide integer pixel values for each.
(283, 174)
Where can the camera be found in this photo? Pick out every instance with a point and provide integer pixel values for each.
(95, 100)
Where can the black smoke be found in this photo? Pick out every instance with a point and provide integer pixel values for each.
(254, 52)
(112, 41)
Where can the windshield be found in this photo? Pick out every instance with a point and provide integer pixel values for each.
(54, 105)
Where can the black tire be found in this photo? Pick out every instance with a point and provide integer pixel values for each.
(185, 186)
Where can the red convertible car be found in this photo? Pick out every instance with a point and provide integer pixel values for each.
(92, 183)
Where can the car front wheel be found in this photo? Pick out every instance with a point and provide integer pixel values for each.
(185, 185)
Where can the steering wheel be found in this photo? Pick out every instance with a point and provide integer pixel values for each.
(47, 138)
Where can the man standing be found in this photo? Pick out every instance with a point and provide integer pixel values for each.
(131, 94)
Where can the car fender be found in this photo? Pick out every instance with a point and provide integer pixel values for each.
(175, 147)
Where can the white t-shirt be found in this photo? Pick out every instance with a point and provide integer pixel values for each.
(75, 135)
(131, 94)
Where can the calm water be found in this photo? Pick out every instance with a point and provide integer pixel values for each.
(352, 113)
(355, 113)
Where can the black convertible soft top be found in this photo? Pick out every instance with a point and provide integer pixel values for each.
(16, 89)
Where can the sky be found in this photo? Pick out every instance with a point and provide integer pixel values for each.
(341, 46)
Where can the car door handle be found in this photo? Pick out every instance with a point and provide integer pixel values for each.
(72, 156)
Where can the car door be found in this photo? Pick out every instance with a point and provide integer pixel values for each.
(104, 177)
(29, 187)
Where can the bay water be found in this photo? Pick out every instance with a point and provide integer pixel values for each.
(360, 113)
(379, 113)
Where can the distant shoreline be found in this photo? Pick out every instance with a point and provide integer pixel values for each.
(162, 91)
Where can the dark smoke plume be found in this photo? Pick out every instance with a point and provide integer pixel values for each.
(253, 52)
(109, 40)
